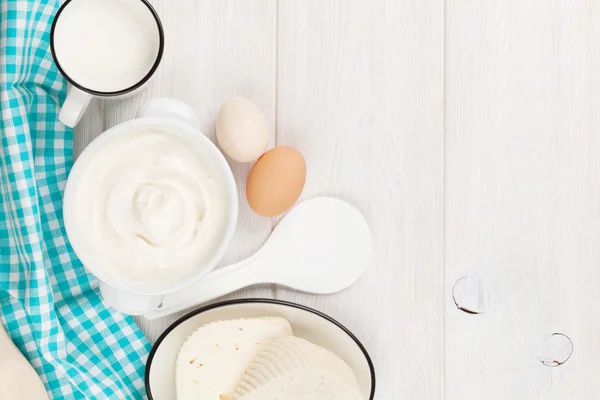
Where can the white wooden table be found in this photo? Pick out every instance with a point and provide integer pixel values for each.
(466, 131)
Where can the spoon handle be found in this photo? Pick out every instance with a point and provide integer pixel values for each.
(216, 284)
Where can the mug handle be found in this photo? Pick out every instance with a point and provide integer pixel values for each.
(74, 106)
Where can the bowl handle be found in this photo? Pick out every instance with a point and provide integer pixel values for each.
(129, 303)
(169, 108)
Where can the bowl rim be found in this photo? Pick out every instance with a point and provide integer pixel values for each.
(225, 303)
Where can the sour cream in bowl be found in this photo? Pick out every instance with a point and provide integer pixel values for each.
(151, 204)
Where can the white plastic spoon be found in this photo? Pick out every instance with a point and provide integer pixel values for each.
(18, 379)
(321, 246)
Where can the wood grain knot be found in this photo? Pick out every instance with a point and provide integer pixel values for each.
(470, 295)
(555, 350)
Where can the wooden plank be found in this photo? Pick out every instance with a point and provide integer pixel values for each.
(522, 196)
(90, 126)
(214, 50)
(359, 89)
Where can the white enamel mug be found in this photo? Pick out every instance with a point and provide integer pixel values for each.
(104, 48)
(163, 115)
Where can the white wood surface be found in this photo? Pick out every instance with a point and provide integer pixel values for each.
(466, 131)
(343, 83)
(522, 195)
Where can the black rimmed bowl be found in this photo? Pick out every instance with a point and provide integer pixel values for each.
(306, 323)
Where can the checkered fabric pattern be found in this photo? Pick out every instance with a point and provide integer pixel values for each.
(49, 305)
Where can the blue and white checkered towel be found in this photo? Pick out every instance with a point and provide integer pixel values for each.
(48, 303)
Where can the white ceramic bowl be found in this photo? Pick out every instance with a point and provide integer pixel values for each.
(306, 323)
(167, 115)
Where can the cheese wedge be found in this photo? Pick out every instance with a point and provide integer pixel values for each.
(213, 360)
(291, 368)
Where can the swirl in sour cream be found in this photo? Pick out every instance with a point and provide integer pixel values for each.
(151, 208)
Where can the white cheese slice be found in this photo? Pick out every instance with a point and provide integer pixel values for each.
(291, 368)
(214, 359)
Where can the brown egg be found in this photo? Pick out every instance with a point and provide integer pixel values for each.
(276, 181)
